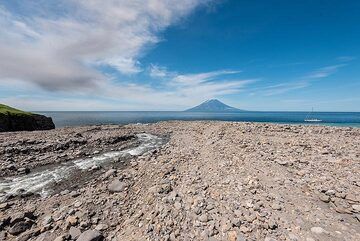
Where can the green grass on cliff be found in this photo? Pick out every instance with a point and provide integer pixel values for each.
(7, 110)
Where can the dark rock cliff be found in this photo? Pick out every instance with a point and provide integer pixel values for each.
(10, 122)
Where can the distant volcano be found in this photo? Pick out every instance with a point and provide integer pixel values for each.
(213, 105)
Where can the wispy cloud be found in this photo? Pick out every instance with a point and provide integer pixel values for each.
(300, 83)
(195, 79)
(345, 58)
(324, 72)
(280, 88)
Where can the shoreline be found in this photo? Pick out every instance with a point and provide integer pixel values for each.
(85, 118)
(215, 180)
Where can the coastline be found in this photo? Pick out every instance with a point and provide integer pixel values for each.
(63, 119)
(212, 180)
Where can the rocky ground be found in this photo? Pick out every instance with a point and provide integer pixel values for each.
(211, 181)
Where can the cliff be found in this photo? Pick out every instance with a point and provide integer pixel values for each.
(12, 119)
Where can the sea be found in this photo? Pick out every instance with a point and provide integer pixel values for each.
(79, 118)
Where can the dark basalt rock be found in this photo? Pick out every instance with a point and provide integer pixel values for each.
(9, 122)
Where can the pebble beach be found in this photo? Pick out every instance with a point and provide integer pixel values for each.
(186, 180)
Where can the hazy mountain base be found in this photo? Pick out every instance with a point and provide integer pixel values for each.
(213, 105)
(211, 181)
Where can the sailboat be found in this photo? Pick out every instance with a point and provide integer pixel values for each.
(309, 119)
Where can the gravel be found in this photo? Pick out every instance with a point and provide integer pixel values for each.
(211, 181)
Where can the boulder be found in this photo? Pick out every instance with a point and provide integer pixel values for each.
(19, 227)
(74, 233)
(117, 186)
(90, 235)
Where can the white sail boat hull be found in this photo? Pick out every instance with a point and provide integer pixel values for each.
(307, 119)
(312, 120)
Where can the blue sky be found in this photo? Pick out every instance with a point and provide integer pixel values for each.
(171, 55)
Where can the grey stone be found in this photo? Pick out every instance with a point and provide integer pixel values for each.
(47, 220)
(109, 173)
(19, 227)
(74, 232)
(117, 186)
(101, 227)
(203, 218)
(46, 237)
(325, 198)
(269, 239)
(90, 235)
(317, 230)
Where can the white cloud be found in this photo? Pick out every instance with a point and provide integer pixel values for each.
(58, 51)
(174, 93)
(156, 71)
(126, 66)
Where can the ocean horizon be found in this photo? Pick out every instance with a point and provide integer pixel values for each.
(81, 118)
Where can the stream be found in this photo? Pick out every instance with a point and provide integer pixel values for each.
(39, 181)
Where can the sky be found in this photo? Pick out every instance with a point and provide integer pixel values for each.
(261, 55)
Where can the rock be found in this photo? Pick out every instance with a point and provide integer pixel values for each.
(77, 204)
(165, 189)
(356, 208)
(60, 238)
(203, 218)
(23, 170)
(325, 198)
(65, 192)
(90, 235)
(19, 227)
(244, 229)
(74, 233)
(72, 220)
(48, 236)
(47, 220)
(109, 173)
(352, 197)
(317, 230)
(101, 227)
(330, 192)
(276, 206)
(177, 205)
(23, 121)
(25, 236)
(272, 224)
(117, 186)
(4, 206)
(2, 235)
(357, 216)
(17, 217)
(269, 239)
(282, 162)
(232, 236)
(293, 237)
(95, 167)
(84, 224)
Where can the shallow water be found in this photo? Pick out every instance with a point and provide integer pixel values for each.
(39, 180)
(62, 119)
